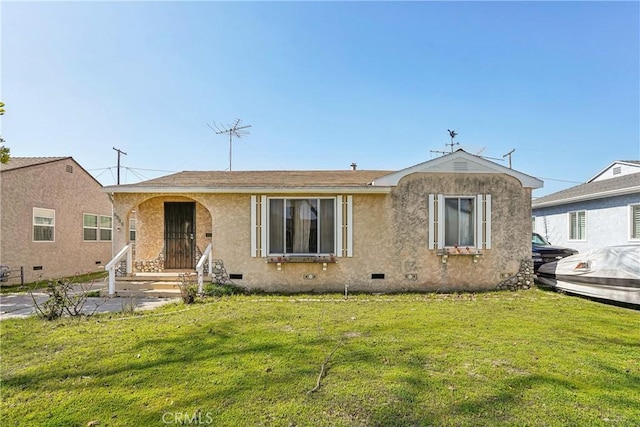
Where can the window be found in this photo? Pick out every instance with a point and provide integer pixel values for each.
(462, 221)
(459, 228)
(577, 225)
(105, 227)
(97, 227)
(634, 215)
(132, 229)
(44, 223)
(301, 226)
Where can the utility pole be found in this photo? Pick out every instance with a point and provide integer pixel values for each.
(233, 130)
(119, 153)
(509, 154)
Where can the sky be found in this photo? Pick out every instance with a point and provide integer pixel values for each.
(322, 85)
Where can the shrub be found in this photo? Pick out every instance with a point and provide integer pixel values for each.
(188, 288)
(63, 300)
(220, 290)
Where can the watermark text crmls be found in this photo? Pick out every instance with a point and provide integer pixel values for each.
(196, 418)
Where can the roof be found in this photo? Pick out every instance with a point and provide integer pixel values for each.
(247, 181)
(326, 181)
(16, 163)
(633, 163)
(626, 184)
(460, 162)
(25, 162)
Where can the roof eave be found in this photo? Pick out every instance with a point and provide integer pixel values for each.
(585, 197)
(249, 190)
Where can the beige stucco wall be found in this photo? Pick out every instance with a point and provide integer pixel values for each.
(390, 235)
(70, 195)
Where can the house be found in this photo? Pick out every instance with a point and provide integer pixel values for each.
(457, 222)
(55, 220)
(604, 211)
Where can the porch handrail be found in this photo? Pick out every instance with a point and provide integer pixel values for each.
(111, 266)
(206, 255)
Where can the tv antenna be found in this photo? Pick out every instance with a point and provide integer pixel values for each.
(233, 130)
(509, 154)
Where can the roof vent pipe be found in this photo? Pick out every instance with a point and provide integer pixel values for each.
(353, 166)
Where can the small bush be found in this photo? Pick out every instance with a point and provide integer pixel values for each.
(221, 290)
(63, 300)
(188, 288)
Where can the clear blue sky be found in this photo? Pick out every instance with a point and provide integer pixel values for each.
(322, 84)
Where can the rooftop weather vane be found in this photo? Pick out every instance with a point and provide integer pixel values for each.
(452, 134)
(233, 130)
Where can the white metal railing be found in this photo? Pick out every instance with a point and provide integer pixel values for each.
(206, 255)
(111, 267)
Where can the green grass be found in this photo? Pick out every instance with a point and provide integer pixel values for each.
(12, 288)
(524, 358)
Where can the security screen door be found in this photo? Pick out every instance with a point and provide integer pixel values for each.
(179, 235)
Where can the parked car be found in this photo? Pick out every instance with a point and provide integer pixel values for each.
(543, 251)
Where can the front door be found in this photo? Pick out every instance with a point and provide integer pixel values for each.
(179, 235)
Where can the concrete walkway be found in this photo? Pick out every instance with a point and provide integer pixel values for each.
(21, 305)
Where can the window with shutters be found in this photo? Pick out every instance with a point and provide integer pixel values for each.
(460, 221)
(301, 226)
(578, 225)
(44, 224)
(634, 215)
(305, 226)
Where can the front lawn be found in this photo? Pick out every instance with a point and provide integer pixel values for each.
(508, 358)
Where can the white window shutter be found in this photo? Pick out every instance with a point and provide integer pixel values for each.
(339, 226)
(432, 222)
(262, 248)
(254, 226)
(479, 221)
(349, 226)
(487, 222)
(258, 226)
(441, 221)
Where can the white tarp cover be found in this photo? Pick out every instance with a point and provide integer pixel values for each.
(611, 273)
(612, 262)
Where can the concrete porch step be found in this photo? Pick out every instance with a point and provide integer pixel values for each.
(146, 289)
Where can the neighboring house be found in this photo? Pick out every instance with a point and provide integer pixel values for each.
(605, 211)
(55, 220)
(458, 222)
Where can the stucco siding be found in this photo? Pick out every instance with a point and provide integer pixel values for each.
(607, 222)
(70, 194)
(390, 237)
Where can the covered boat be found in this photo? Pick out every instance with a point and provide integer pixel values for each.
(610, 273)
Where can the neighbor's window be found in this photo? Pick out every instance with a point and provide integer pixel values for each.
(90, 227)
(105, 227)
(459, 229)
(301, 226)
(635, 221)
(97, 227)
(132, 229)
(44, 223)
(577, 225)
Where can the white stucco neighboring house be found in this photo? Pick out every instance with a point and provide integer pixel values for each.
(604, 211)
